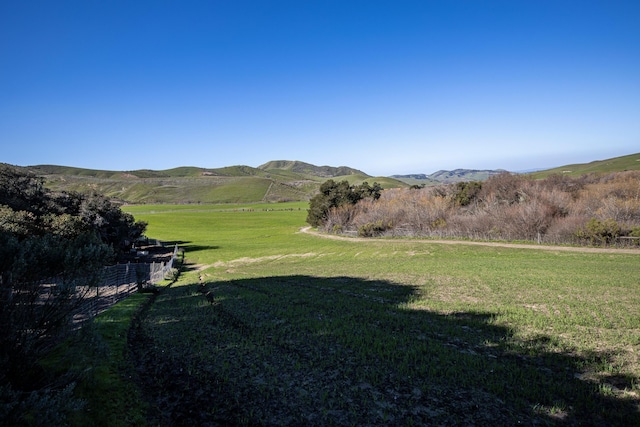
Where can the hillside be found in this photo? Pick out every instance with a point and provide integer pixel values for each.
(615, 164)
(309, 169)
(276, 181)
(447, 177)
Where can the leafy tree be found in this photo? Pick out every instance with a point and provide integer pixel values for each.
(27, 209)
(22, 191)
(364, 190)
(334, 194)
(114, 226)
(467, 192)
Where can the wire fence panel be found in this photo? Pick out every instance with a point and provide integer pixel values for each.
(118, 282)
(40, 307)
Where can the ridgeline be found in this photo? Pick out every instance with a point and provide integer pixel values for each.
(272, 182)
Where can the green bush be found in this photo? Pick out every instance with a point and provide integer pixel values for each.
(333, 194)
(466, 192)
(600, 232)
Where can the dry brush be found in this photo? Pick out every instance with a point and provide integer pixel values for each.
(592, 209)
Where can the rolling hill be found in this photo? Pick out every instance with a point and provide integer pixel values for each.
(275, 181)
(615, 164)
(309, 169)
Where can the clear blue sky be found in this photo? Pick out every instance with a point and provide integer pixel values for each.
(388, 87)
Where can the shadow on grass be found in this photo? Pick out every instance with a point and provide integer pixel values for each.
(195, 248)
(189, 247)
(175, 242)
(189, 266)
(300, 350)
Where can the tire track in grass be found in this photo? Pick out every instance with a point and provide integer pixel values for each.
(311, 363)
(295, 362)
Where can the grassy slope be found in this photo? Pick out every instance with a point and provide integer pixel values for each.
(616, 164)
(379, 332)
(385, 182)
(233, 184)
(309, 169)
(415, 181)
(169, 190)
(98, 359)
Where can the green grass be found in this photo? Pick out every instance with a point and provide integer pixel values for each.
(98, 358)
(616, 164)
(225, 189)
(306, 330)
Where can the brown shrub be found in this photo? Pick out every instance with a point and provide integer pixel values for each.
(508, 207)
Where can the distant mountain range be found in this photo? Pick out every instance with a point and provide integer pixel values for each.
(446, 177)
(615, 164)
(274, 181)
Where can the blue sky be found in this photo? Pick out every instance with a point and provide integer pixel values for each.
(388, 87)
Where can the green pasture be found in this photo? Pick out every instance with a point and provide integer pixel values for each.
(305, 330)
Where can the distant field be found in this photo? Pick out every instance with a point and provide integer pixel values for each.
(304, 330)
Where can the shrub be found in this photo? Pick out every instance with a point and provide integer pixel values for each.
(504, 188)
(373, 229)
(333, 195)
(172, 274)
(564, 230)
(466, 192)
(592, 209)
(600, 232)
(52, 248)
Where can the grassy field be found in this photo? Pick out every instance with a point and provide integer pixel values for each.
(310, 331)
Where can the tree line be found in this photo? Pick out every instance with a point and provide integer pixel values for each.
(593, 209)
(45, 234)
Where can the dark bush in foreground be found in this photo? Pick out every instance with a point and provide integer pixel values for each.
(51, 245)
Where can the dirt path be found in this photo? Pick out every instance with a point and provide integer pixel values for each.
(308, 230)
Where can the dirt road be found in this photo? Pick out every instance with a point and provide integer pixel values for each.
(309, 230)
